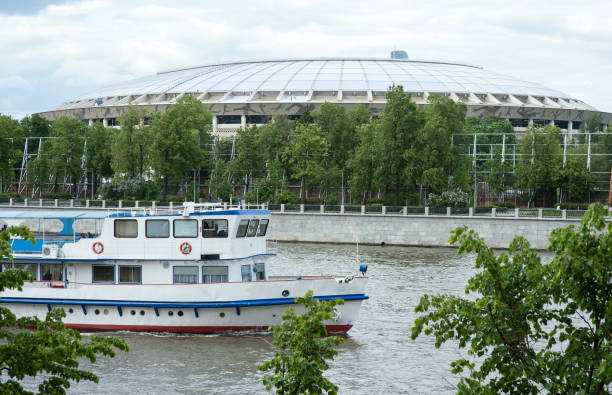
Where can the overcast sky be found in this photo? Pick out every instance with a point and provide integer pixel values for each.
(52, 51)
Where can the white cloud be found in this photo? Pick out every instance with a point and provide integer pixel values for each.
(72, 48)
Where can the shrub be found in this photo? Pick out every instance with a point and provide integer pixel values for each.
(449, 199)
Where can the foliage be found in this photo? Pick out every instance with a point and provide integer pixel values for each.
(531, 326)
(130, 189)
(366, 162)
(180, 138)
(99, 157)
(30, 346)
(303, 347)
(10, 134)
(130, 148)
(449, 199)
(64, 152)
(540, 165)
(284, 197)
(219, 184)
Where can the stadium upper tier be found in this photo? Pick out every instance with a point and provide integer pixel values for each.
(263, 88)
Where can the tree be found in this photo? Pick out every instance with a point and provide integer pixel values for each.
(366, 163)
(540, 164)
(443, 166)
(303, 347)
(249, 161)
(130, 150)
(575, 176)
(99, 156)
(11, 135)
(306, 155)
(65, 150)
(531, 326)
(30, 346)
(400, 123)
(181, 141)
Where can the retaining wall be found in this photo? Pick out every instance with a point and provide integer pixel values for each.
(408, 230)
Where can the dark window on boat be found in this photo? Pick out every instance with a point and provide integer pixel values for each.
(242, 228)
(252, 229)
(246, 272)
(214, 228)
(157, 228)
(185, 228)
(185, 274)
(130, 274)
(103, 273)
(28, 267)
(214, 274)
(51, 272)
(260, 271)
(263, 227)
(126, 228)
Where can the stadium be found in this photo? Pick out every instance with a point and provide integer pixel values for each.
(251, 92)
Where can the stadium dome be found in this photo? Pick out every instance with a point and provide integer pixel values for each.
(251, 92)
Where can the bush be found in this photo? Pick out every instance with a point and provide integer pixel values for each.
(449, 199)
(284, 197)
(131, 189)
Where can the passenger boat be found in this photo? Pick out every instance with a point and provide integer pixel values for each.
(201, 269)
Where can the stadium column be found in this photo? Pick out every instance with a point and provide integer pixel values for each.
(105, 122)
(214, 125)
(243, 122)
(570, 128)
(90, 122)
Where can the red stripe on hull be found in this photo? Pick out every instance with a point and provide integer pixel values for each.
(336, 329)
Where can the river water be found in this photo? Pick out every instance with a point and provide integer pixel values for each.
(378, 356)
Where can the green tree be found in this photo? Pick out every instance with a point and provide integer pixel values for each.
(130, 148)
(575, 177)
(400, 123)
(540, 165)
(99, 154)
(531, 326)
(65, 150)
(219, 184)
(303, 347)
(35, 126)
(249, 161)
(442, 165)
(366, 163)
(181, 141)
(306, 155)
(11, 135)
(30, 347)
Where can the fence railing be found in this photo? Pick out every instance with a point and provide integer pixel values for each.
(539, 213)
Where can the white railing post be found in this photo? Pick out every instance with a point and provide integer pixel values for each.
(342, 209)
(25, 202)
(493, 212)
(71, 202)
(103, 203)
(384, 210)
(516, 212)
(362, 209)
(171, 206)
(11, 201)
(121, 203)
(56, 202)
(471, 212)
(137, 204)
(564, 214)
(448, 211)
(40, 202)
(426, 211)
(301, 209)
(405, 210)
(282, 207)
(322, 209)
(87, 203)
(153, 204)
(540, 213)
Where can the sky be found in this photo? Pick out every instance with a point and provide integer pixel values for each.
(54, 50)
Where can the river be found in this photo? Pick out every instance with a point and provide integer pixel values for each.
(378, 356)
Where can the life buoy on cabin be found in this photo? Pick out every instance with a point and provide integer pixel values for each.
(97, 247)
(185, 248)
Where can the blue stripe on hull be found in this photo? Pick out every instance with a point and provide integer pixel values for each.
(196, 305)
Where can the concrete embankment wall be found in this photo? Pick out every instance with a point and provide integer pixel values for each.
(408, 230)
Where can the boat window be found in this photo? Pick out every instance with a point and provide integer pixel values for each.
(214, 274)
(126, 228)
(29, 267)
(51, 271)
(185, 274)
(185, 228)
(103, 273)
(246, 272)
(157, 228)
(130, 274)
(263, 227)
(242, 228)
(216, 228)
(260, 271)
(252, 230)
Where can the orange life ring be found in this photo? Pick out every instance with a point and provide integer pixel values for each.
(185, 248)
(97, 247)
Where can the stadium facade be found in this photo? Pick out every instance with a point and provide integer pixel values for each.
(251, 92)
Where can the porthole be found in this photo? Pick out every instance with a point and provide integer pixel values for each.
(286, 293)
(221, 314)
(105, 311)
(180, 313)
(142, 312)
(274, 315)
(97, 312)
(132, 312)
(70, 311)
(170, 313)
